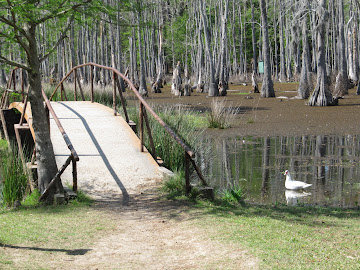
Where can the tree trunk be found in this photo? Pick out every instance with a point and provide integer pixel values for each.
(213, 90)
(305, 84)
(142, 86)
(254, 60)
(45, 153)
(321, 95)
(282, 77)
(223, 78)
(342, 82)
(267, 89)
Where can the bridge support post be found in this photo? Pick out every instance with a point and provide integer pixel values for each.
(187, 173)
(92, 83)
(141, 127)
(74, 172)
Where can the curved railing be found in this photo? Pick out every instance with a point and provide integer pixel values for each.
(144, 108)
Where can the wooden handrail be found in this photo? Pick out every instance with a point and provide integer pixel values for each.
(139, 97)
(56, 119)
(189, 154)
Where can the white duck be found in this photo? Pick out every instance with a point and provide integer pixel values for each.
(292, 184)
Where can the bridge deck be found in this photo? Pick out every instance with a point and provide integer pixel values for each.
(111, 164)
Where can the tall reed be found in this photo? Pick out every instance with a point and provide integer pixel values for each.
(186, 124)
(13, 176)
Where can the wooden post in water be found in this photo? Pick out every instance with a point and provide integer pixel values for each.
(92, 83)
(141, 127)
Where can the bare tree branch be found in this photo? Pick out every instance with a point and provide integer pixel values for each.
(13, 63)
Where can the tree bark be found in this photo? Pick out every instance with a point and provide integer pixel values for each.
(267, 88)
(44, 150)
(213, 90)
(321, 95)
(305, 84)
(142, 87)
(342, 82)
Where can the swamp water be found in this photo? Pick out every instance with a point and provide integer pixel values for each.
(330, 163)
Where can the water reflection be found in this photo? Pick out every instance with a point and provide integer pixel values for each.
(293, 197)
(330, 163)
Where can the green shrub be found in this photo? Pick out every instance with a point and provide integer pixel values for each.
(233, 195)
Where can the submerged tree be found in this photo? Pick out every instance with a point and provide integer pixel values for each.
(267, 89)
(342, 81)
(305, 83)
(321, 95)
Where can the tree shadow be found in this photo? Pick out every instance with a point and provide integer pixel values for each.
(125, 193)
(72, 252)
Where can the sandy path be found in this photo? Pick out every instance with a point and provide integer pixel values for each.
(153, 234)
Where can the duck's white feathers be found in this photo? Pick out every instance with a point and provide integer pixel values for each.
(293, 184)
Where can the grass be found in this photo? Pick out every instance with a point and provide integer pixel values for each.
(288, 237)
(44, 233)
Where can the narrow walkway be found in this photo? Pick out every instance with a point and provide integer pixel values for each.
(111, 164)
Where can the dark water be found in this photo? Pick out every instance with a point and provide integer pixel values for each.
(330, 163)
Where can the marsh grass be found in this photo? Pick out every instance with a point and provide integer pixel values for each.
(188, 125)
(13, 175)
(221, 116)
(102, 94)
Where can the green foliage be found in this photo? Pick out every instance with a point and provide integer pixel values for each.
(175, 185)
(232, 195)
(13, 175)
(32, 199)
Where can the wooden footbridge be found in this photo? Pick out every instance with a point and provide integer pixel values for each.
(105, 153)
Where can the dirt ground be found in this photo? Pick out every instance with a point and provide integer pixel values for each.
(159, 234)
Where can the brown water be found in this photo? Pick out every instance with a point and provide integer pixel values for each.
(330, 163)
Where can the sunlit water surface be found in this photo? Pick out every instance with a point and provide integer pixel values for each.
(257, 165)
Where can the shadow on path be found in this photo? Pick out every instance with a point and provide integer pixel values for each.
(103, 156)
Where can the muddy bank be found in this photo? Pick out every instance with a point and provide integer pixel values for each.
(282, 115)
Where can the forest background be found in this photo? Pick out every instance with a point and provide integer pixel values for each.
(214, 41)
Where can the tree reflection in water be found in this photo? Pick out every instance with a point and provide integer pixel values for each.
(330, 163)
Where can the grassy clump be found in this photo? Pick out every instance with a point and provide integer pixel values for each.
(14, 178)
(220, 116)
(232, 196)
